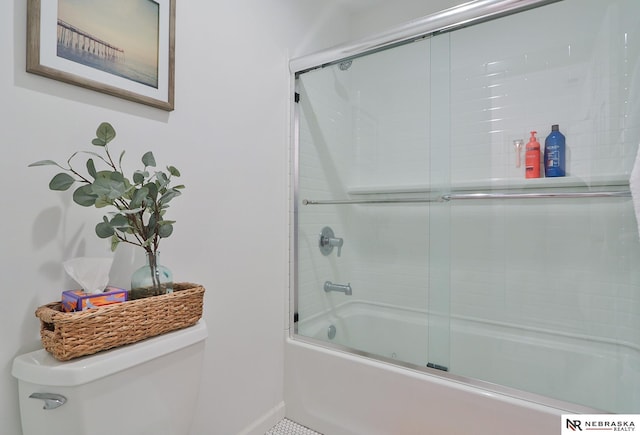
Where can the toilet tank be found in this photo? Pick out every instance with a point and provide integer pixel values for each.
(147, 388)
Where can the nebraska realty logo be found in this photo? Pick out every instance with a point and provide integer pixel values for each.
(572, 423)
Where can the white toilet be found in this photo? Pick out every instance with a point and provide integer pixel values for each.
(146, 388)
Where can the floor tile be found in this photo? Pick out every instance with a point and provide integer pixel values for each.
(288, 427)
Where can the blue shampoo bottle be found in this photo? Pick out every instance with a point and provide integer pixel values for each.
(555, 153)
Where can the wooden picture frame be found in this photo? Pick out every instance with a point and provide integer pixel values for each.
(128, 53)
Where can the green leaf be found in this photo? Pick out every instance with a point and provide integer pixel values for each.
(61, 181)
(91, 168)
(98, 142)
(172, 193)
(165, 230)
(114, 242)
(84, 196)
(173, 171)
(45, 163)
(119, 221)
(127, 185)
(152, 225)
(138, 177)
(115, 176)
(148, 159)
(153, 190)
(103, 201)
(162, 179)
(105, 133)
(109, 187)
(104, 230)
(139, 196)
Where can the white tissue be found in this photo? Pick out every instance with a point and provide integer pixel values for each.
(634, 185)
(92, 274)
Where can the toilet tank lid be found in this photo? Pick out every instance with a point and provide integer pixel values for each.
(39, 367)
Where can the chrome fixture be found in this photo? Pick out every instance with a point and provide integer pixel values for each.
(328, 240)
(463, 15)
(479, 195)
(51, 401)
(342, 288)
(536, 195)
(345, 65)
(331, 332)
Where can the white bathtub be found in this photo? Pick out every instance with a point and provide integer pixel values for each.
(339, 392)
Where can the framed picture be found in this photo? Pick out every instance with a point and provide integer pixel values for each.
(124, 48)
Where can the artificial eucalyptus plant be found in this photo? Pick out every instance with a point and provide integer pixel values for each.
(140, 203)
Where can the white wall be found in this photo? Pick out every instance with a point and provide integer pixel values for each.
(228, 136)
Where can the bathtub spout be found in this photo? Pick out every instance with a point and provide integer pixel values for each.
(343, 288)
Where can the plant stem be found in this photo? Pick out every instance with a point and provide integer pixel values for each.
(155, 273)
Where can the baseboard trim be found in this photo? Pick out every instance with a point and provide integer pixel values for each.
(266, 421)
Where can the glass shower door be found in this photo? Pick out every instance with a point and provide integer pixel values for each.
(544, 289)
(364, 141)
(420, 241)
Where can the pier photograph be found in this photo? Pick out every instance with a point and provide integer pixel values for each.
(119, 37)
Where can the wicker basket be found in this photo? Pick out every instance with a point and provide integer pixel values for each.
(71, 335)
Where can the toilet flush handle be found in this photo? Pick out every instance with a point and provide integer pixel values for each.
(51, 401)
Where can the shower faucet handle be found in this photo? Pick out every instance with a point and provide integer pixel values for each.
(328, 241)
(336, 242)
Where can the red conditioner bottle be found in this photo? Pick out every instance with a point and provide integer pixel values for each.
(532, 157)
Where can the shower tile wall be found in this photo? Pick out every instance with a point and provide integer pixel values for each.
(549, 264)
(539, 68)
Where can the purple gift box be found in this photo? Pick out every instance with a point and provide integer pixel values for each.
(78, 300)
